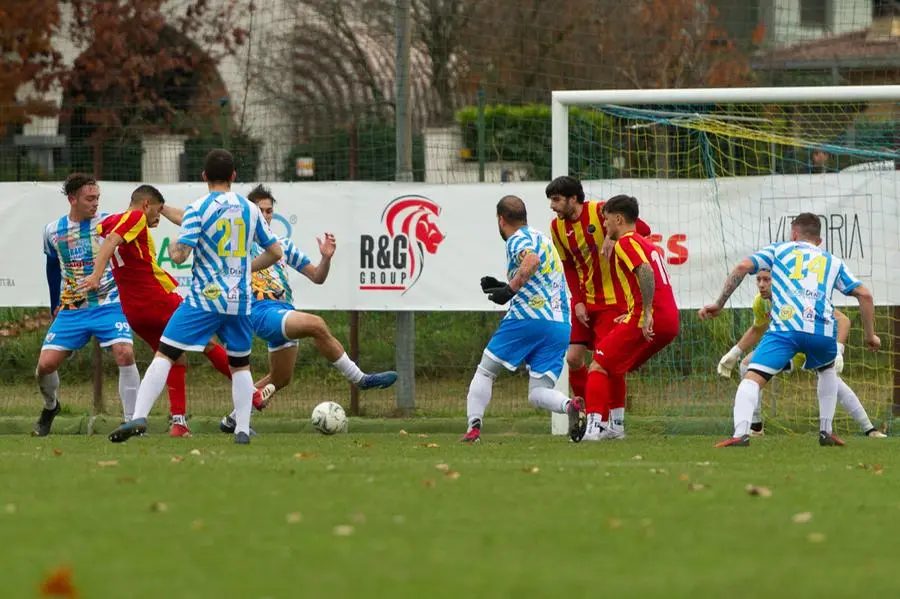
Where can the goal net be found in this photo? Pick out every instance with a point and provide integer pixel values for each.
(720, 173)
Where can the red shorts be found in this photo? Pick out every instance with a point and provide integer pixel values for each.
(148, 319)
(600, 321)
(626, 350)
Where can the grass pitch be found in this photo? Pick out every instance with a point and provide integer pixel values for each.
(390, 515)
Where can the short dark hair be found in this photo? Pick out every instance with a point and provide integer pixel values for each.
(512, 209)
(218, 166)
(567, 187)
(623, 204)
(144, 191)
(260, 192)
(76, 181)
(807, 224)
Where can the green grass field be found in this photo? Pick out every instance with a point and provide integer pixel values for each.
(391, 515)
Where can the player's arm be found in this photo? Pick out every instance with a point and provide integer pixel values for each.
(54, 274)
(527, 261)
(173, 214)
(272, 249)
(316, 273)
(92, 281)
(529, 264)
(744, 267)
(847, 284)
(181, 250)
(843, 333)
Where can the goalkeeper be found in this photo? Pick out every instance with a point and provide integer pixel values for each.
(762, 307)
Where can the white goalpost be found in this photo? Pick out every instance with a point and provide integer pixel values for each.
(755, 140)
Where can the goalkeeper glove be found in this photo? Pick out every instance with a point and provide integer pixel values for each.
(501, 295)
(839, 360)
(490, 284)
(729, 361)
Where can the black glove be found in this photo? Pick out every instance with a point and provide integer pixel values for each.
(501, 295)
(490, 284)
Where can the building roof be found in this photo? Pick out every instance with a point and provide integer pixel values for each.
(855, 50)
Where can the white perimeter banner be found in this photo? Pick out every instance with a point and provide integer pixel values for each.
(425, 247)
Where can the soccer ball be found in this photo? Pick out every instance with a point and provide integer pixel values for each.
(329, 418)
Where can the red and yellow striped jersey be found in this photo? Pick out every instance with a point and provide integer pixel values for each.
(138, 276)
(633, 250)
(589, 273)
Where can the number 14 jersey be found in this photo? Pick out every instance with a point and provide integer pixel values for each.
(221, 228)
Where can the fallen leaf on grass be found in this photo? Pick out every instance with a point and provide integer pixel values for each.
(195, 452)
(696, 487)
(57, 451)
(684, 476)
(532, 470)
(127, 479)
(197, 525)
(305, 456)
(422, 436)
(403, 433)
(877, 469)
(815, 537)
(159, 506)
(108, 463)
(614, 523)
(428, 483)
(802, 518)
(638, 457)
(294, 518)
(330, 467)
(443, 467)
(430, 445)
(704, 463)
(59, 584)
(365, 445)
(343, 530)
(659, 471)
(10, 508)
(176, 459)
(758, 491)
(452, 475)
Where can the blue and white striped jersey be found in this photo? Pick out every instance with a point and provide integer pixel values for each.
(803, 279)
(544, 295)
(272, 283)
(75, 245)
(221, 228)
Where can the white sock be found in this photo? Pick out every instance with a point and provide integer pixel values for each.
(242, 394)
(151, 386)
(548, 399)
(827, 390)
(49, 386)
(479, 396)
(129, 381)
(349, 369)
(745, 402)
(850, 402)
(617, 418)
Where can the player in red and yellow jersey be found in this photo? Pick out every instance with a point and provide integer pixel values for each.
(579, 233)
(146, 291)
(649, 325)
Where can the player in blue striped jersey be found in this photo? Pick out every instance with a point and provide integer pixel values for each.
(804, 276)
(275, 319)
(71, 243)
(220, 229)
(536, 327)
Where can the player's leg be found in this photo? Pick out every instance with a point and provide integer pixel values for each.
(756, 422)
(614, 409)
(236, 332)
(189, 329)
(821, 353)
(770, 357)
(111, 328)
(610, 363)
(850, 402)
(298, 325)
(218, 357)
(504, 350)
(282, 360)
(68, 332)
(545, 362)
(581, 340)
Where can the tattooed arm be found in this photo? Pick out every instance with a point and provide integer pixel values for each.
(647, 284)
(733, 281)
(179, 252)
(526, 270)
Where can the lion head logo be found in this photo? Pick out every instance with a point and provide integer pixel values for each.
(412, 216)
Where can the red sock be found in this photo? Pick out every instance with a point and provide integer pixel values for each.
(616, 391)
(578, 381)
(219, 359)
(177, 393)
(597, 398)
